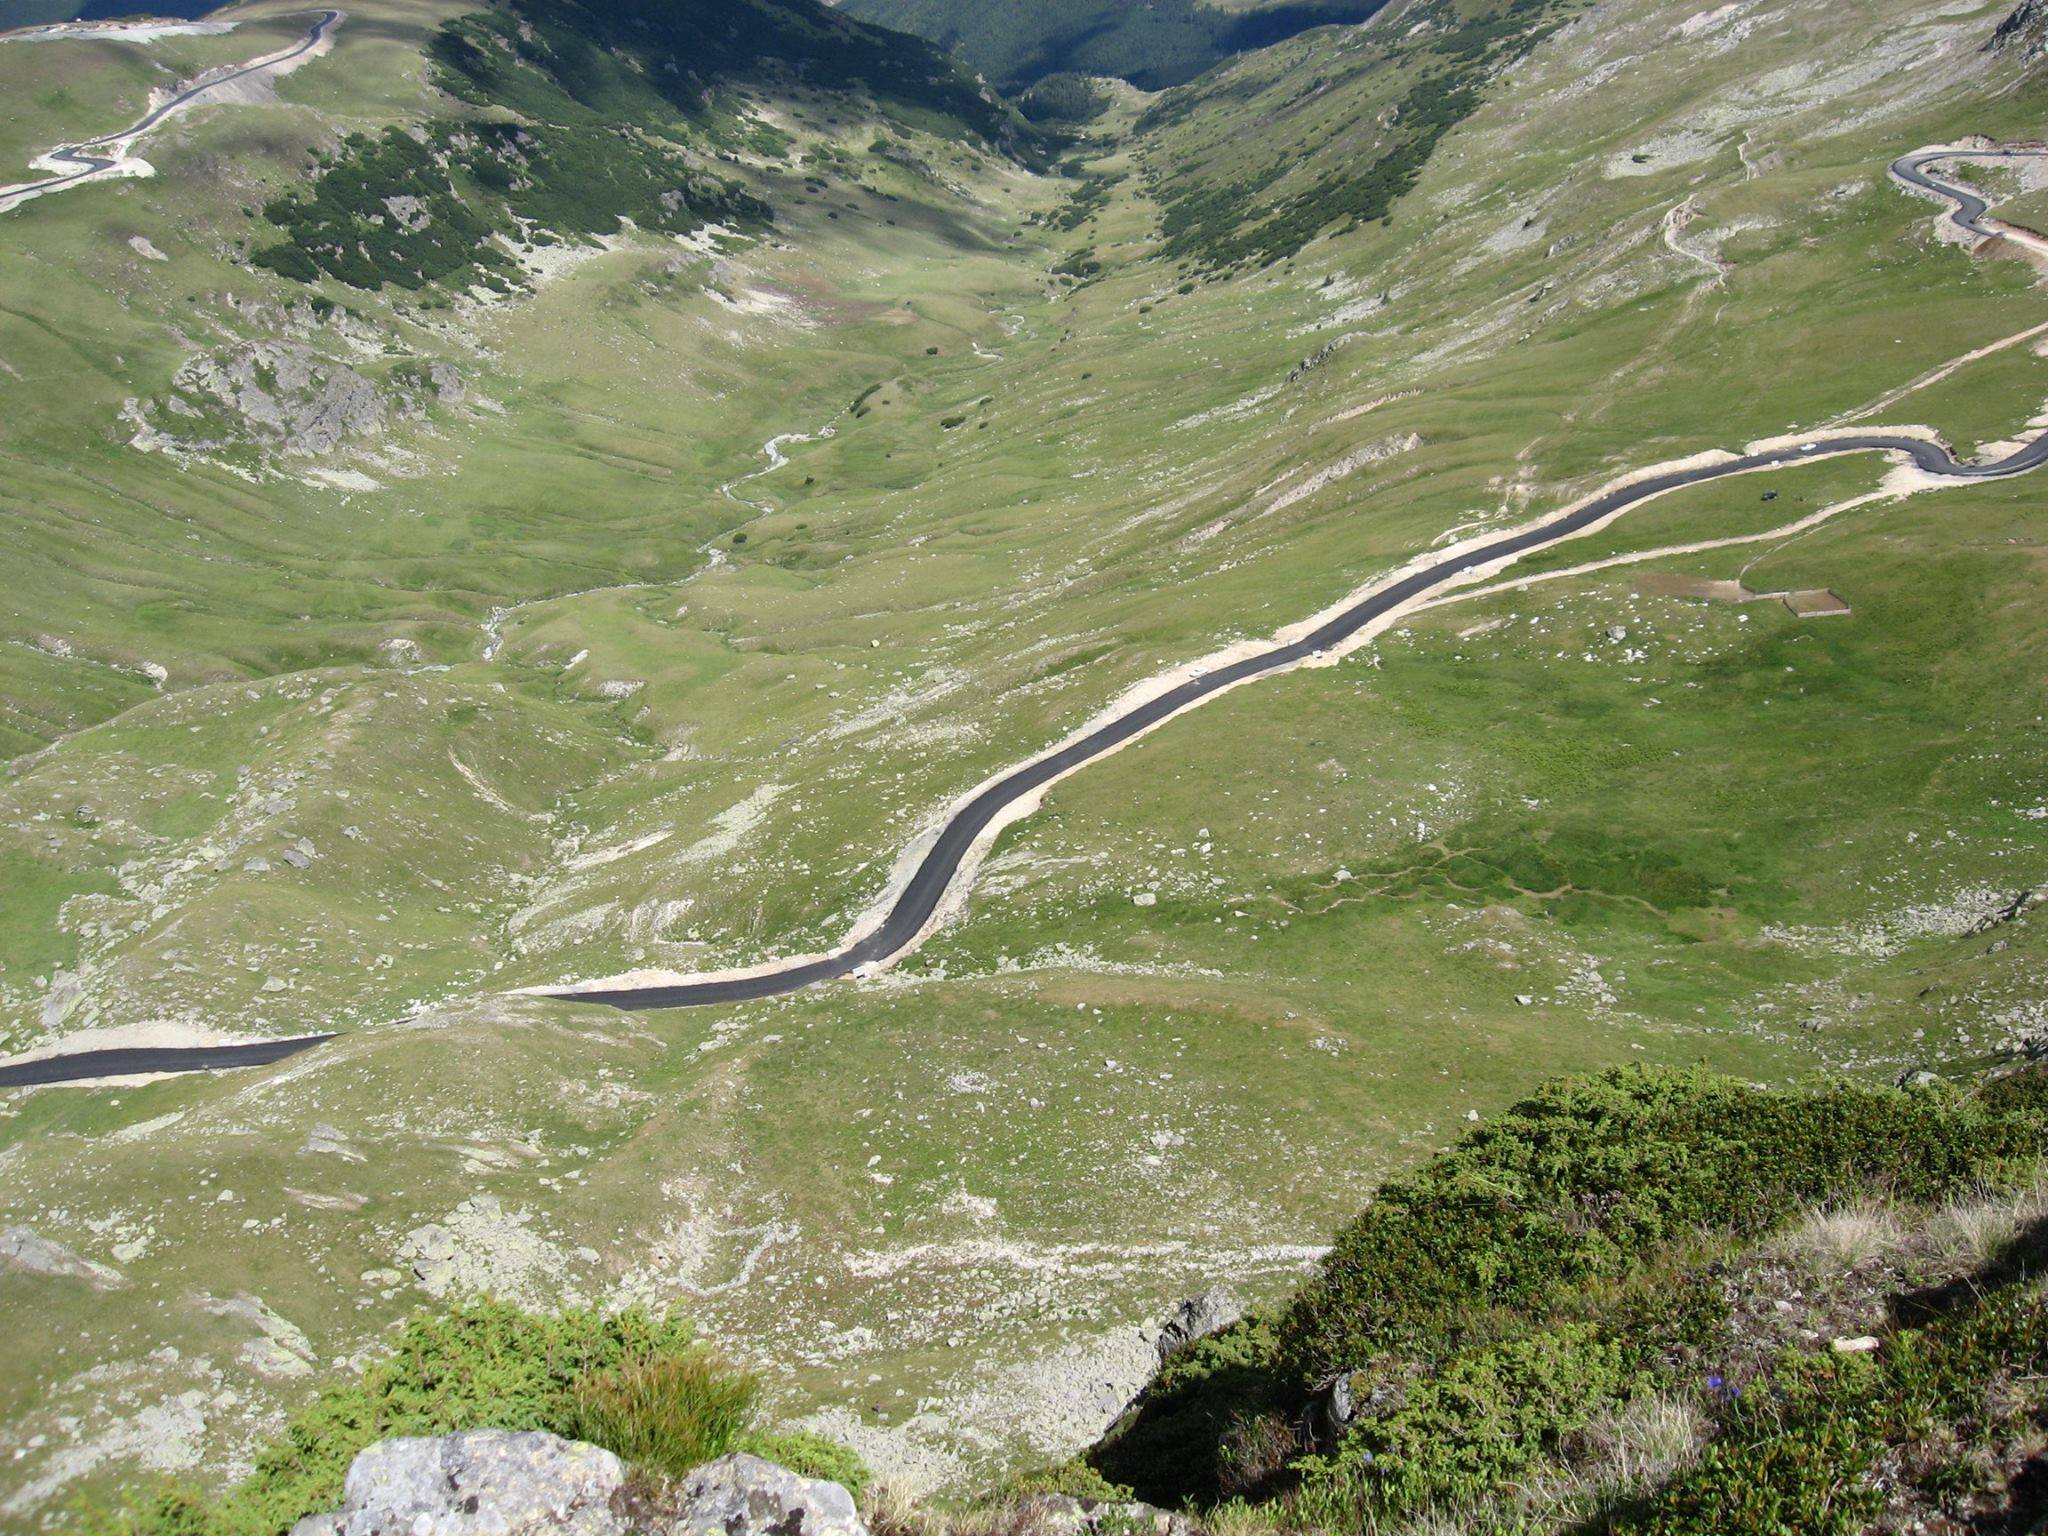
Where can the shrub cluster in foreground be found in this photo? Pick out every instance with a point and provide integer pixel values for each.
(1582, 1258)
(634, 1382)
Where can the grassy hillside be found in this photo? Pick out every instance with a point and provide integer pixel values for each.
(1641, 1302)
(1336, 155)
(1153, 45)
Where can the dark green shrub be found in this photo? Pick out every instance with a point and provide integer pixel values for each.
(1807, 1478)
(402, 211)
(1063, 98)
(481, 1365)
(1588, 1175)
(1481, 1419)
(1821, 1443)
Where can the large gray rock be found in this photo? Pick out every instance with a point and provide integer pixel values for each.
(1196, 1318)
(484, 1482)
(741, 1495)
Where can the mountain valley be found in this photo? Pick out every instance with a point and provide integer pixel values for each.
(536, 496)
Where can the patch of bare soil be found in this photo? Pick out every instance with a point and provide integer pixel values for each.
(1670, 584)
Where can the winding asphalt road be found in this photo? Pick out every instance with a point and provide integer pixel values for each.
(82, 1066)
(1970, 209)
(90, 164)
(929, 883)
(935, 874)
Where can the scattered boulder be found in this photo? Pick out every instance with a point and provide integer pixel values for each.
(66, 992)
(742, 1495)
(447, 382)
(430, 1252)
(1333, 1410)
(282, 1350)
(325, 1141)
(487, 1482)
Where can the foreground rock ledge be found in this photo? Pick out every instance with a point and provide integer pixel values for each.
(493, 1482)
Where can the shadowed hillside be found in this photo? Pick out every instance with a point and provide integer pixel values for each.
(1152, 45)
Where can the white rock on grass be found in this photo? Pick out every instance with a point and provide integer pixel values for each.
(281, 1351)
(62, 1000)
(479, 1248)
(21, 1248)
(325, 1141)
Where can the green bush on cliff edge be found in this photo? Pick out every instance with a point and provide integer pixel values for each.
(635, 1382)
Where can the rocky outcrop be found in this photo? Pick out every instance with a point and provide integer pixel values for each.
(2025, 29)
(493, 1482)
(1196, 1318)
(298, 395)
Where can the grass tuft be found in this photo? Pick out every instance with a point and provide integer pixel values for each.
(668, 1414)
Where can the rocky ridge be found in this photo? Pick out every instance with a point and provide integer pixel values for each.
(529, 1483)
